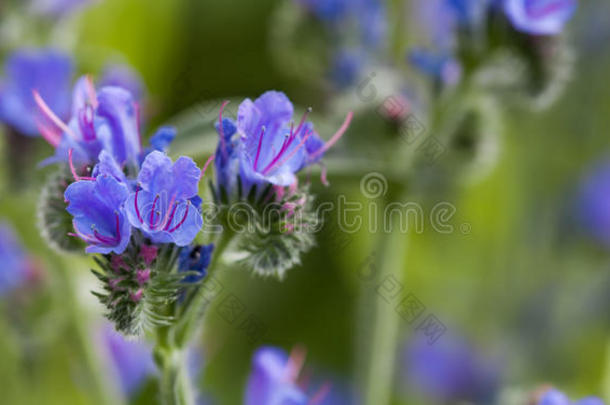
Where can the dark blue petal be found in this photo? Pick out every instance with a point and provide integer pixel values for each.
(197, 259)
(163, 138)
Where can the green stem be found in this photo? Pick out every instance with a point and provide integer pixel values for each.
(175, 386)
(380, 321)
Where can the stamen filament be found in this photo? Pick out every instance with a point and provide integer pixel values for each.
(258, 150)
(205, 166)
(333, 140)
(73, 170)
(51, 115)
(135, 203)
(152, 212)
(183, 219)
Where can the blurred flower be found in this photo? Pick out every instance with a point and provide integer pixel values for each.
(123, 76)
(107, 119)
(326, 10)
(196, 258)
(99, 218)
(347, 66)
(226, 161)
(372, 21)
(556, 397)
(47, 71)
(163, 206)
(132, 361)
(273, 379)
(539, 17)
(593, 203)
(58, 8)
(450, 370)
(441, 67)
(16, 267)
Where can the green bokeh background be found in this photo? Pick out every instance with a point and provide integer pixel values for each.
(521, 283)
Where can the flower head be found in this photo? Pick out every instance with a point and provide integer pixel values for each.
(539, 17)
(58, 8)
(46, 70)
(593, 205)
(327, 10)
(15, 267)
(273, 379)
(165, 205)
(441, 67)
(197, 259)
(99, 217)
(556, 397)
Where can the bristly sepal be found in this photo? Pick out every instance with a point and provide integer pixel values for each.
(139, 286)
(54, 221)
(278, 235)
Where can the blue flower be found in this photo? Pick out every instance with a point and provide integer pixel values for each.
(327, 10)
(123, 76)
(450, 371)
(469, 12)
(271, 382)
(539, 17)
(196, 258)
(58, 8)
(99, 217)
(439, 66)
(347, 67)
(45, 70)
(15, 264)
(105, 120)
(372, 21)
(132, 362)
(556, 397)
(226, 160)
(593, 203)
(165, 204)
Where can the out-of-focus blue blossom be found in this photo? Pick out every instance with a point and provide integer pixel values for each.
(539, 17)
(347, 67)
(99, 218)
(226, 160)
(469, 12)
(593, 203)
(15, 268)
(450, 370)
(47, 71)
(131, 362)
(327, 10)
(115, 75)
(441, 67)
(270, 381)
(107, 119)
(58, 8)
(196, 258)
(165, 204)
(372, 21)
(556, 397)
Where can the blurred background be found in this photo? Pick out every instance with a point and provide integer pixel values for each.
(522, 286)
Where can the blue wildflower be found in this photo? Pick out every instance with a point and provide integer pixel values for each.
(539, 17)
(327, 10)
(196, 258)
(556, 397)
(272, 149)
(15, 267)
(439, 66)
(122, 76)
(58, 8)
(163, 138)
(46, 70)
(226, 160)
(132, 362)
(105, 120)
(347, 67)
(164, 206)
(372, 21)
(469, 12)
(450, 371)
(99, 217)
(593, 205)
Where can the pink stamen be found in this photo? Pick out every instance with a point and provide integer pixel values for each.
(205, 166)
(305, 114)
(170, 217)
(91, 94)
(258, 150)
(333, 140)
(152, 213)
(290, 155)
(221, 129)
(319, 396)
(48, 113)
(285, 145)
(295, 363)
(73, 169)
(49, 135)
(135, 203)
(183, 219)
(323, 177)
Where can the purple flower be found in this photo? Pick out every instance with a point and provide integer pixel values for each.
(99, 217)
(539, 17)
(15, 268)
(347, 66)
(58, 8)
(226, 161)
(556, 397)
(450, 370)
(327, 10)
(196, 258)
(593, 203)
(441, 67)
(165, 203)
(274, 148)
(125, 77)
(45, 70)
(132, 362)
(105, 120)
